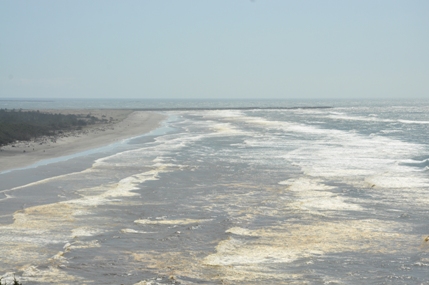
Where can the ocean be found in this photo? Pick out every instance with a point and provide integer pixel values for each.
(224, 194)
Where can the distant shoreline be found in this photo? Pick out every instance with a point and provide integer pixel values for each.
(127, 123)
(229, 108)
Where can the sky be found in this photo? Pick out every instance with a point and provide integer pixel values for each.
(233, 49)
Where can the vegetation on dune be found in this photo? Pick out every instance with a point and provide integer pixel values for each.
(18, 125)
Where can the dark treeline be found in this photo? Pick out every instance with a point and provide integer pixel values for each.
(25, 125)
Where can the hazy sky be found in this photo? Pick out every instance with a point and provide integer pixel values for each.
(214, 49)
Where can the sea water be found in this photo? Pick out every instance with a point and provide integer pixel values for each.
(233, 196)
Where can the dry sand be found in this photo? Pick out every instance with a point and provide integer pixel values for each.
(123, 124)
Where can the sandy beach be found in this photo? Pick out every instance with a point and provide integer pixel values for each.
(122, 124)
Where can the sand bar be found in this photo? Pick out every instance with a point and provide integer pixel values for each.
(122, 124)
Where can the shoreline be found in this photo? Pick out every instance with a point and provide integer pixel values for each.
(124, 124)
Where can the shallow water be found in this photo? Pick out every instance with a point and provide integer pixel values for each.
(303, 196)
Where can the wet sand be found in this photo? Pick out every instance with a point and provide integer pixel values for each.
(123, 124)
